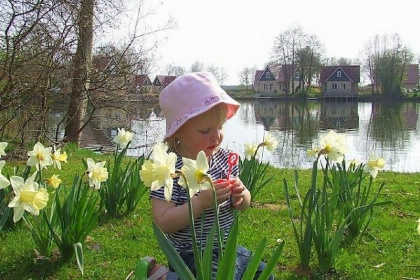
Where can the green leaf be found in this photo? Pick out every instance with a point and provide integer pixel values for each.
(173, 257)
(227, 264)
(78, 249)
(255, 261)
(271, 264)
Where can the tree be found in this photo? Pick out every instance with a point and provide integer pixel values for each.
(223, 76)
(45, 58)
(285, 49)
(309, 62)
(81, 74)
(214, 70)
(197, 66)
(386, 61)
(246, 76)
(300, 51)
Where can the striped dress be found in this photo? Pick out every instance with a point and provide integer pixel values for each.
(218, 169)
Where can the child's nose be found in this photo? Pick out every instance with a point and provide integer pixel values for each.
(215, 135)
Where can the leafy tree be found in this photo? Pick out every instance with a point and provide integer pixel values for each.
(299, 50)
(197, 66)
(386, 61)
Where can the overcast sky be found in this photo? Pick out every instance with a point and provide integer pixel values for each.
(234, 34)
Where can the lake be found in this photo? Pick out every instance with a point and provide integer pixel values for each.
(389, 130)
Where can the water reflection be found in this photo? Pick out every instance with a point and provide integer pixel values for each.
(387, 130)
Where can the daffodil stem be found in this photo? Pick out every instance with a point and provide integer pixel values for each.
(216, 211)
(197, 254)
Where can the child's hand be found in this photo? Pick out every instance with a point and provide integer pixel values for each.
(238, 191)
(222, 193)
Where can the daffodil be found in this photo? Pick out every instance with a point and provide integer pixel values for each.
(333, 145)
(54, 181)
(3, 146)
(250, 150)
(40, 156)
(374, 164)
(58, 157)
(195, 172)
(313, 152)
(28, 196)
(4, 182)
(160, 170)
(96, 173)
(123, 137)
(270, 142)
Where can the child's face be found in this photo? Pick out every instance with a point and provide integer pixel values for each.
(199, 133)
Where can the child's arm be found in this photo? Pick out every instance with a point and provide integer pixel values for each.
(241, 197)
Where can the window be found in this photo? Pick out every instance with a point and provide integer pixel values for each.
(334, 86)
(267, 75)
(343, 86)
(265, 86)
(271, 86)
(339, 74)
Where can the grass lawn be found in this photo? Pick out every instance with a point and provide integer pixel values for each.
(389, 250)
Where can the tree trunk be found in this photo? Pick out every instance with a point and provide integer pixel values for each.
(82, 64)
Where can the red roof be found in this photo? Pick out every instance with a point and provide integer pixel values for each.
(139, 80)
(352, 71)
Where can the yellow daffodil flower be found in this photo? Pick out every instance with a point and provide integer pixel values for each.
(374, 164)
(333, 145)
(28, 196)
(160, 170)
(3, 146)
(196, 174)
(54, 181)
(250, 150)
(4, 182)
(58, 157)
(270, 142)
(96, 173)
(123, 137)
(40, 157)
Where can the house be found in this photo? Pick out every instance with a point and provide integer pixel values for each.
(141, 84)
(160, 82)
(340, 81)
(412, 79)
(276, 79)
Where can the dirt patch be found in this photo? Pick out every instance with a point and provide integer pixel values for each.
(270, 206)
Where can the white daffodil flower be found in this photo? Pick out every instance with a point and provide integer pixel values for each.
(3, 146)
(333, 145)
(40, 157)
(374, 164)
(270, 142)
(123, 137)
(4, 182)
(28, 196)
(97, 173)
(58, 157)
(196, 174)
(159, 171)
(250, 150)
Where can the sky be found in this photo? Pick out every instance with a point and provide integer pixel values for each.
(235, 34)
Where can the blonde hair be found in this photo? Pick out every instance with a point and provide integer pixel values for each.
(218, 113)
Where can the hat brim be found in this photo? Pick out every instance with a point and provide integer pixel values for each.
(201, 108)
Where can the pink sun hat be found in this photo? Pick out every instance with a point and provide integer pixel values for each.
(190, 95)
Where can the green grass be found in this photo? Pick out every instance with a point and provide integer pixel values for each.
(390, 250)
